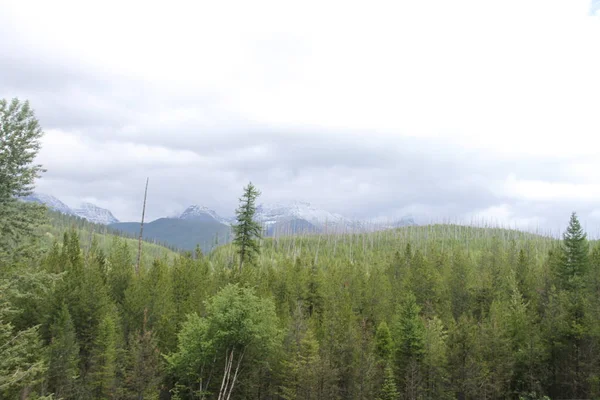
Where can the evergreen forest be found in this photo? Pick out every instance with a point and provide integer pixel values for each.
(438, 311)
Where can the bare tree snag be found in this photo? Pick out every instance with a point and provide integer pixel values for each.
(139, 255)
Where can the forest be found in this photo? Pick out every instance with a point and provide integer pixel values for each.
(421, 312)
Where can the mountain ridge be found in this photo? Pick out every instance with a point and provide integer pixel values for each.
(86, 210)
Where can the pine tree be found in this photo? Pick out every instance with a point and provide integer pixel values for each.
(301, 372)
(389, 390)
(22, 362)
(575, 253)
(103, 360)
(410, 347)
(384, 345)
(63, 367)
(20, 135)
(247, 231)
(142, 375)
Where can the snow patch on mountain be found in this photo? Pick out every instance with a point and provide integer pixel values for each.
(49, 201)
(203, 213)
(95, 214)
(269, 214)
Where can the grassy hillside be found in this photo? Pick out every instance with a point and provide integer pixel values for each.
(57, 224)
(180, 233)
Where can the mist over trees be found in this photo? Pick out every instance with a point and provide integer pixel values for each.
(421, 312)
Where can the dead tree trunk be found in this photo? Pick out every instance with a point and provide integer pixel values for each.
(139, 255)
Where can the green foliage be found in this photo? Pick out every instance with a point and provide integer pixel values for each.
(143, 369)
(575, 255)
(247, 231)
(473, 312)
(20, 135)
(389, 390)
(239, 326)
(384, 344)
(178, 233)
(63, 369)
(302, 369)
(22, 363)
(103, 364)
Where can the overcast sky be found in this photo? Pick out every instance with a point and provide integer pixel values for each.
(447, 110)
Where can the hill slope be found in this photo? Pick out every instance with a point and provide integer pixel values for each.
(180, 233)
(58, 223)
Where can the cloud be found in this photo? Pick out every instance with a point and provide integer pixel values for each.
(441, 109)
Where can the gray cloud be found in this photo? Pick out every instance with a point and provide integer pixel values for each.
(108, 131)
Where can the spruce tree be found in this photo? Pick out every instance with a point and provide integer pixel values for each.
(247, 231)
(103, 364)
(384, 345)
(142, 375)
(63, 367)
(22, 362)
(20, 135)
(575, 253)
(389, 390)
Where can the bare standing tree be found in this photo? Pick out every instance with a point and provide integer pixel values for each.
(139, 255)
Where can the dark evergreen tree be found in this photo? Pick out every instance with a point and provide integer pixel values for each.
(142, 375)
(63, 368)
(20, 135)
(247, 231)
(575, 253)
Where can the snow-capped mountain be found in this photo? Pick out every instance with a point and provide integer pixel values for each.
(270, 214)
(95, 214)
(50, 201)
(196, 212)
(88, 211)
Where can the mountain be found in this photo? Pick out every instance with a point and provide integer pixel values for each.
(95, 214)
(299, 216)
(88, 211)
(201, 213)
(49, 201)
(202, 225)
(184, 234)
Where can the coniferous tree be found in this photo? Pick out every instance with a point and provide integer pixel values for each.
(247, 231)
(20, 135)
(63, 369)
(575, 253)
(389, 390)
(103, 365)
(384, 345)
(410, 347)
(22, 362)
(142, 375)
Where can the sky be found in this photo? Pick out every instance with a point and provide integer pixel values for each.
(461, 110)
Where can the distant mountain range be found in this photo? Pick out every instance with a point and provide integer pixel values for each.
(88, 211)
(199, 225)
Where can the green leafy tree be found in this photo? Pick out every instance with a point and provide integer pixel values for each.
(20, 135)
(240, 330)
(247, 231)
